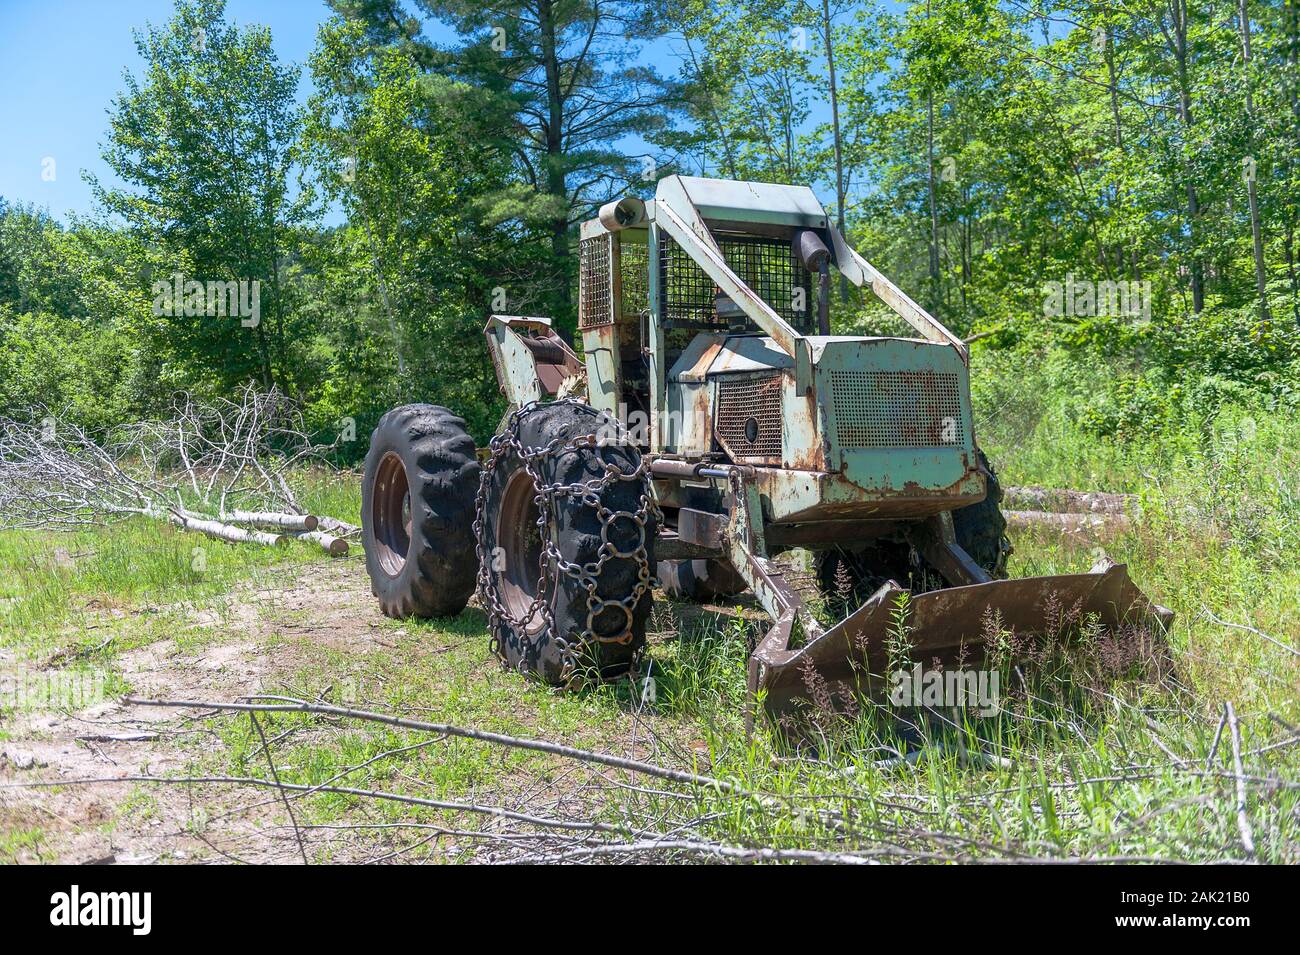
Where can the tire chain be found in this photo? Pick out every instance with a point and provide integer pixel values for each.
(507, 441)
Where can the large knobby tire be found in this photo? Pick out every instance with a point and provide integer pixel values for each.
(417, 512)
(981, 529)
(544, 620)
(699, 580)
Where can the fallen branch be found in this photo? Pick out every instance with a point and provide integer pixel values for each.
(1089, 525)
(1214, 747)
(1259, 633)
(716, 851)
(227, 532)
(515, 742)
(335, 526)
(1243, 820)
(497, 811)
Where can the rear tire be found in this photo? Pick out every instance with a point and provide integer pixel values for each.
(981, 528)
(417, 512)
(544, 619)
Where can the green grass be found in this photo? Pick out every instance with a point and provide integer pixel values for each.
(134, 580)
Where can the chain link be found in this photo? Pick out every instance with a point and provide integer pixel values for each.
(552, 564)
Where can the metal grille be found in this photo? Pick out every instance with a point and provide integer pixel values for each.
(749, 415)
(768, 266)
(636, 277)
(594, 305)
(897, 409)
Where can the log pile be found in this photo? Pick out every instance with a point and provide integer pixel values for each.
(1095, 514)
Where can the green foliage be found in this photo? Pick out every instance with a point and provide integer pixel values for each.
(205, 140)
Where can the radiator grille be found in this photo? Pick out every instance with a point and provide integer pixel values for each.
(594, 305)
(897, 409)
(749, 415)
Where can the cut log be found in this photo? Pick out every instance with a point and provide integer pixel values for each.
(336, 526)
(227, 532)
(334, 546)
(1064, 500)
(288, 522)
(1084, 525)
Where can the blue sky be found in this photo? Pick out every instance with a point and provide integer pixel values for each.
(61, 63)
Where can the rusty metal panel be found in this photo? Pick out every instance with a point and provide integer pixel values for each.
(730, 200)
(749, 415)
(700, 527)
(898, 409)
(595, 298)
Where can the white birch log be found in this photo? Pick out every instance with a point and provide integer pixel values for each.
(334, 546)
(287, 522)
(227, 532)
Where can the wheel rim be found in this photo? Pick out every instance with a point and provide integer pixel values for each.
(392, 514)
(520, 537)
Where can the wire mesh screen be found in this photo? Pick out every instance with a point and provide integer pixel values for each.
(768, 266)
(636, 277)
(594, 305)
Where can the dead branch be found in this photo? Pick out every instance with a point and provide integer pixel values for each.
(227, 532)
(1243, 820)
(210, 467)
(342, 528)
(1241, 626)
(477, 808)
(275, 775)
(447, 729)
(1085, 525)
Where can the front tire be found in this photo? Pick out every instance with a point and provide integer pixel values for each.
(566, 527)
(417, 512)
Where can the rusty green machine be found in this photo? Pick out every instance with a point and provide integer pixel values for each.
(713, 423)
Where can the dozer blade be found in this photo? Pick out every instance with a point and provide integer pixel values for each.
(948, 626)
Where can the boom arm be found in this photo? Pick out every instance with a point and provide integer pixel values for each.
(676, 213)
(864, 275)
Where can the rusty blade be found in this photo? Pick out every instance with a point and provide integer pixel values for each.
(947, 624)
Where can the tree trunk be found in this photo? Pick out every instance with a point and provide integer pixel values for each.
(554, 130)
(1178, 46)
(835, 126)
(1256, 232)
(287, 522)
